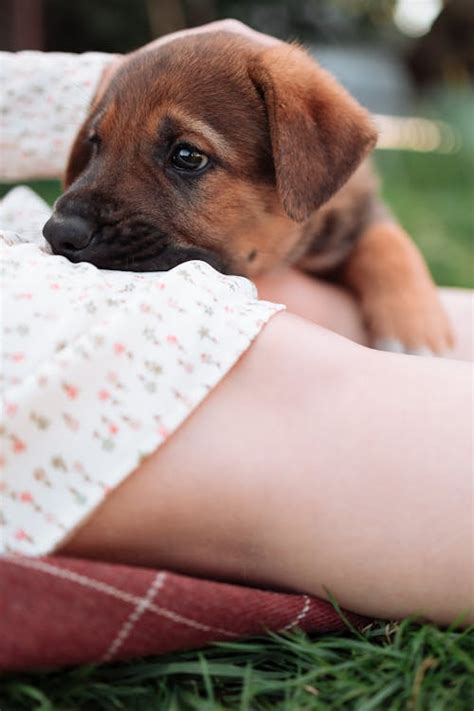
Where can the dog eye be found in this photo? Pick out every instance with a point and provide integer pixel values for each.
(187, 158)
(94, 138)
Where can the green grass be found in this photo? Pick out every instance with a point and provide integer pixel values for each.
(395, 667)
(49, 190)
(433, 196)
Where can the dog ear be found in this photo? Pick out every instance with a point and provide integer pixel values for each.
(81, 150)
(319, 133)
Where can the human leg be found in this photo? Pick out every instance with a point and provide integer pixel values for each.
(315, 465)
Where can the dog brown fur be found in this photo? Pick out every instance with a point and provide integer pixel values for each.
(286, 181)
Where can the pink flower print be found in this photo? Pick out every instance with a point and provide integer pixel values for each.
(11, 409)
(163, 432)
(18, 357)
(21, 535)
(71, 391)
(119, 348)
(3, 461)
(113, 429)
(133, 424)
(188, 367)
(171, 339)
(26, 497)
(103, 394)
(145, 308)
(18, 445)
(55, 286)
(207, 359)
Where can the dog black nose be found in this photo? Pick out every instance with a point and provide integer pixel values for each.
(68, 235)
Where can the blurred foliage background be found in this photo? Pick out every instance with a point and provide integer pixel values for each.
(398, 57)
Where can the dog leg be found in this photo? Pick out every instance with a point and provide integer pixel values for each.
(399, 299)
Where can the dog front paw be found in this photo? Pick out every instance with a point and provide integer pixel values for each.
(413, 323)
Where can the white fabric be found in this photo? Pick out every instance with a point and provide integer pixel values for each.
(44, 98)
(98, 367)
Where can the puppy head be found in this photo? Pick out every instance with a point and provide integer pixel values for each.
(210, 147)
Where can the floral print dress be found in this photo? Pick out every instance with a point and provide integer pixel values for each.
(98, 367)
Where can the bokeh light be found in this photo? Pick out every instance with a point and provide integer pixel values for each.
(415, 17)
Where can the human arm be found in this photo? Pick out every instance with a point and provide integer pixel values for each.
(44, 99)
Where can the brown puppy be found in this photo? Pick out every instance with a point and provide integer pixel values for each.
(213, 147)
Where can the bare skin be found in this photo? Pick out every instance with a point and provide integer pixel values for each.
(332, 467)
(336, 309)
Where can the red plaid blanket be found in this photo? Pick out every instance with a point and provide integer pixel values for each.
(58, 611)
